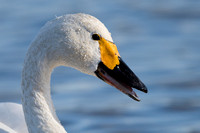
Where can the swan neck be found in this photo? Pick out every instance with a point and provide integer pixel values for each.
(37, 104)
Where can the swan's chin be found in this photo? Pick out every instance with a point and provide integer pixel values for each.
(122, 78)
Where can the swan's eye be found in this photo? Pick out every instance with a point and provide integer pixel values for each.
(96, 37)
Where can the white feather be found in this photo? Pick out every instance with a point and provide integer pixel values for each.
(66, 41)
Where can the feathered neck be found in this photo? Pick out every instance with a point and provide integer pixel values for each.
(38, 108)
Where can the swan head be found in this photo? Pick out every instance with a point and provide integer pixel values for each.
(81, 41)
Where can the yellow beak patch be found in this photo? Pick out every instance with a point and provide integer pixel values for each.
(109, 53)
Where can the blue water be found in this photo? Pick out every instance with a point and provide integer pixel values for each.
(159, 40)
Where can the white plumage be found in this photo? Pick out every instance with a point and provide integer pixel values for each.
(65, 41)
(12, 118)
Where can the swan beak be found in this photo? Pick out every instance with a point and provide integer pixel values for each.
(122, 78)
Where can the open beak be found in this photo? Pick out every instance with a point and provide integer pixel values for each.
(114, 71)
(122, 78)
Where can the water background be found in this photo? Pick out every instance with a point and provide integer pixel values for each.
(159, 40)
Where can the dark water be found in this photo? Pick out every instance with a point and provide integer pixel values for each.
(159, 40)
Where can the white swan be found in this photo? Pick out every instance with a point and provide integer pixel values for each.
(77, 40)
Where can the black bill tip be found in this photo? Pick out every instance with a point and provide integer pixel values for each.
(133, 97)
(122, 78)
(141, 87)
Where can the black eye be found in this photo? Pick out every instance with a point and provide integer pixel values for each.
(96, 37)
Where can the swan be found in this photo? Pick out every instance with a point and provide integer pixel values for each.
(79, 41)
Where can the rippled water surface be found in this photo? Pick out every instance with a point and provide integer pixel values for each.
(159, 40)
